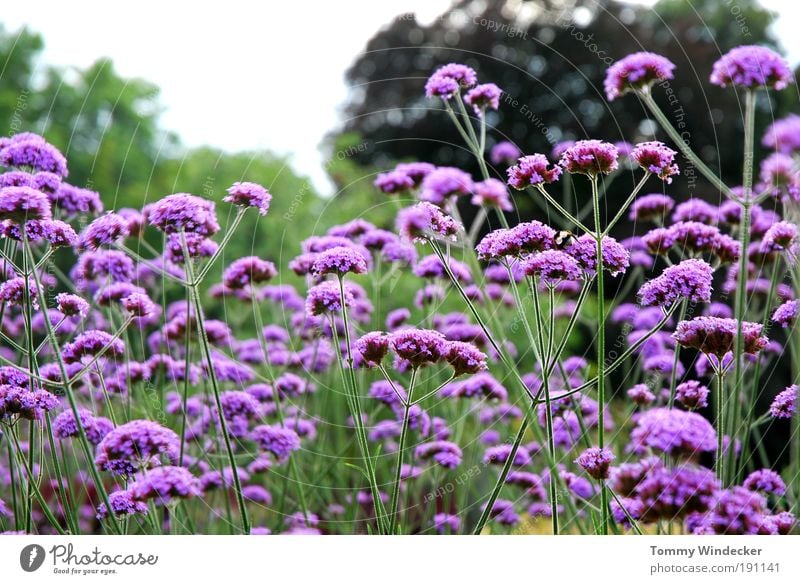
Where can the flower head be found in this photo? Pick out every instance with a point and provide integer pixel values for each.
(426, 220)
(690, 280)
(615, 257)
(636, 71)
(596, 462)
(504, 153)
(692, 395)
(464, 358)
(717, 336)
(786, 314)
(673, 431)
(165, 483)
(248, 194)
(492, 193)
(248, 271)
(276, 440)
(183, 212)
(139, 444)
(105, 230)
(32, 151)
(651, 207)
(339, 261)
(655, 157)
(753, 67)
(552, 266)
(21, 204)
(418, 346)
(531, 171)
(482, 97)
(785, 403)
(448, 79)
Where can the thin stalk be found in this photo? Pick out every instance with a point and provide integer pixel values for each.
(719, 406)
(400, 452)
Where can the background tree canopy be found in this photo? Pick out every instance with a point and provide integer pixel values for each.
(550, 58)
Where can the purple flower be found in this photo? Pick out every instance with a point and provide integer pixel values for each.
(426, 220)
(105, 230)
(717, 336)
(783, 135)
(779, 237)
(183, 212)
(492, 193)
(443, 183)
(372, 347)
(672, 493)
(247, 271)
(416, 170)
(446, 523)
(279, 441)
(615, 257)
(326, 298)
(637, 71)
(765, 481)
(72, 305)
(444, 453)
(786, 314)
(464, 358)
(339, 261)
(504, 153)
(66, 426)
(248, 194)
(552, 266)
(15, 290)
(91, 343)
(27, 404)
(21, 204)
(734, 511)
(641, 394)
(692, 395)
(651, 207)
(499, 455)
(655, 157)
(418, 346)
(779, 173)
(696, 210)
(753, 67)
(689, 280)
(165, 483)
(447, 80)
(673, 432)
(72, 201)
(394, 181)
(431, 267)
(122, 504)
(590, 157)
(196, 246)
(785, 403)
(139, 444)
(531, 171)
(31, 151)
(483, 97)
(596, 462)
(384, 392)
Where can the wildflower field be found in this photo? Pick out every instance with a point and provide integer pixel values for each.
(141, 393)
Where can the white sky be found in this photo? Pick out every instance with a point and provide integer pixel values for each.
(244, 75)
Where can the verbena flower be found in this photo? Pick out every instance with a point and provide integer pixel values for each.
(482, 97)
(91, 343)
(21, 204)
(448, 79)
(32, 151)
(673, 431)
(66, 426)
(615, 257)
(107, 229)
(734, 511)
(552, 266)
(692, 395)
(279, 441)
(492, 193)
(590, 157)
(426, 220)
(504, 153)
(442, 452)
(165, 483)
(25, 403)
(326, 298)
(418, 346)
(785, 403)
(464, 358)
(72, 305)
(786, 314)
(753, 67)
(765, 481)
(696, 210)
(393, 182)
(183, 212)
(637, 71)
(122, 505)
(783, 135)
(651, 207)
(717, 336)
(249, 194)
(690, 280)
(641, 394)
(136, 445)
(596, 462)
(655, 157)
(531, 171)
(443, 183)
(372, 347)
(71, 201)
(248, 271)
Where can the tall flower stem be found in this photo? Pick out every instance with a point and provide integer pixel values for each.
(601, 349)
(719, 407)
(400, 452)
(351, 386)
(741, 276)
(194, 292)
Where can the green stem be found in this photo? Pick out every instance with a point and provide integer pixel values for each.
(400, 452)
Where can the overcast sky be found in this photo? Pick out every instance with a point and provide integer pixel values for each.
(243, 75)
